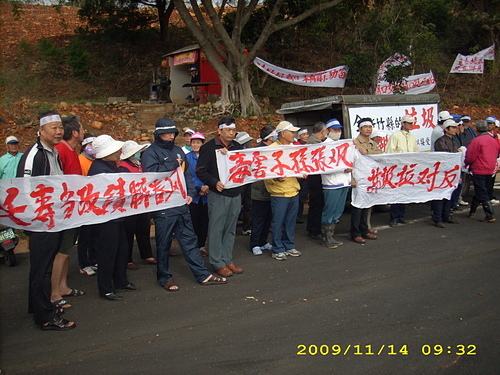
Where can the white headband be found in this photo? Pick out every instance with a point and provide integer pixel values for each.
(223, 126)
(364, 123)
(272, 134)
(51, 118)
(303, 131)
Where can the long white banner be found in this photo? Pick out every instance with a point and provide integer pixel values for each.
(334, 77)
(473, 64)
(55, 203)
(244, 166)
(416, 84)
(414, 177)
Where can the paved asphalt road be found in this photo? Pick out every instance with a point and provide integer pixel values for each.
(398, 297)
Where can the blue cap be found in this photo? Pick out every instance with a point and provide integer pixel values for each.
(492, 119)
(333, 124)
(165, 125)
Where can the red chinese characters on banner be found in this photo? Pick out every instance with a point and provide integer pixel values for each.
(11, 210)
(396, 176)
(241, 168)
(44, 211)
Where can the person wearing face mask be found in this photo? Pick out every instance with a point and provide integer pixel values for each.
(316, 200)
(334, 129)
(164, 156)
(136, 225)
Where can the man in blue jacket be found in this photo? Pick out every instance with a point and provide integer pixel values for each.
(164, 156)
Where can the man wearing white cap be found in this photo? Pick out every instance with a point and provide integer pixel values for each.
(42, 159)
(401, 141)
(284, 193)
(10, 161)
(224, 205)
(438, 131)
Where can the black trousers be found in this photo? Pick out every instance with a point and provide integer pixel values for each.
(359, 222)
(87, 246)
(199, 217)
(304, 191)
(316, 203)
(43, 250)
(140, 226)
(111, 256)
(261, 223)
(246, 206)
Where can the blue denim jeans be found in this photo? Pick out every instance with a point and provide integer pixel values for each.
(283, 222)
(177, 220)
(334, 205)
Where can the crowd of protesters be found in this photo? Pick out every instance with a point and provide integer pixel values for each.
(206, 224)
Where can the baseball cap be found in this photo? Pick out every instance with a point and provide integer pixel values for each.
(377, 133)
(243, 137)
(333, 124)
(449, 123)
(444, 115)
(286, 125)
(491, 119)
(407, 118)
(11, 139)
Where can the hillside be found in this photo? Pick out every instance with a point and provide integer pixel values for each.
(32, 82)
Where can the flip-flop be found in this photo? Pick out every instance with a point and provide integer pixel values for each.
(74, 293)
(169, 285)
(58, 325)
(214, 280)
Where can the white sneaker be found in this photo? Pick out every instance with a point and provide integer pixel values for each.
(461, 202)
(247, 232)
(94, 267)
(267, 246)
(293, 253)
(494, 201)
(256, 251)
(279, 256)
(87, 271)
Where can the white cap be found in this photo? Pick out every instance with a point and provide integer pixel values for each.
(11, 139)
(378, 133)
(243, 137)
(449, 123)
(286, 125)
(105, 145)
(444, 115)
(130, 148)
(408, 119)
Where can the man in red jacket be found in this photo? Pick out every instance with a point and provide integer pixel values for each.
(481, 156)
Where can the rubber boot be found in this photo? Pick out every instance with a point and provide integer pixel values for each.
(488, 210)
(338, 243)
(473, 207)
(324, 235)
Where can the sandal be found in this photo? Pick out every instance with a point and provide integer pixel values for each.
(214, 280)
(74, 293)
(58, 325)
(61, 304)
(171, 286)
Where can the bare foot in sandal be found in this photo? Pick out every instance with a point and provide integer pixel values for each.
(214, 280)
(171, 286)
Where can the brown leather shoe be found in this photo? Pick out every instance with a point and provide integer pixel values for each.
(359, 240)
(224, 271)
(370, 236)
(235, 269)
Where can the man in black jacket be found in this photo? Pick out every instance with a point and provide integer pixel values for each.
(164, 156)
(223, 204)
(42, 159)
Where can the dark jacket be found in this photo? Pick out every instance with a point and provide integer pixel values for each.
(162, 156)
(35, 162)
(446, 144)
(259, 191)
(207, 166)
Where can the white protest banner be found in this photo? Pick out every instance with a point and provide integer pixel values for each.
(244, 166)
(416, 84)
(473, 64)
(412, 177)
(55, 203)
(334, 77)
(395, 60)
(488, 53)
(388, 119)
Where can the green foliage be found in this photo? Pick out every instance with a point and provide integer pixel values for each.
(360, 69)
(78, 58)
(49, 51)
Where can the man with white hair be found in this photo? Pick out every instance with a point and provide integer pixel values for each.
(42, 159)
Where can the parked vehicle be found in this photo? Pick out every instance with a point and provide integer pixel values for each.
(8, 242)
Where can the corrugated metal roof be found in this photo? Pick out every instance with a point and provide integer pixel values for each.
(192, 47)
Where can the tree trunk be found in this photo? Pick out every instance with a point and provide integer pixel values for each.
(236, 88)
